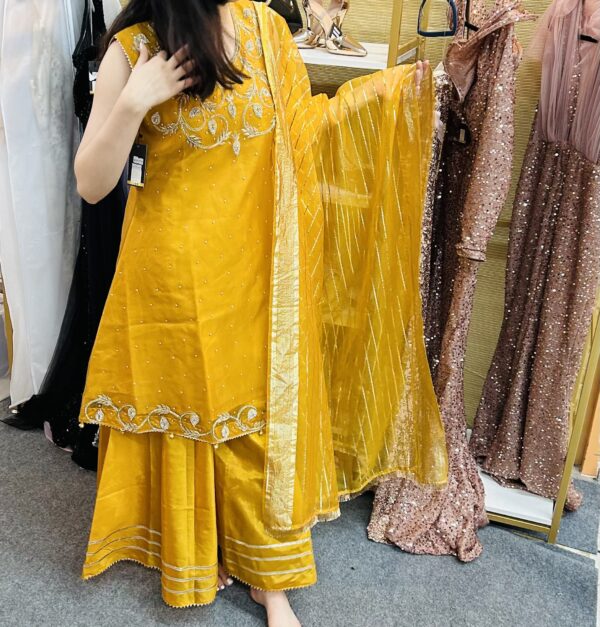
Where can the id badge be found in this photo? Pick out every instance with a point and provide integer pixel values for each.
(136, 171)
(93, 67)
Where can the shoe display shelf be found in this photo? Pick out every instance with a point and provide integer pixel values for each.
(380, 56)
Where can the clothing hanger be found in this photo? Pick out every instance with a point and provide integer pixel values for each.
(92, 25)
(587, 38)
(86, 25)
(92, 11)
(438, 33)
(469, 26)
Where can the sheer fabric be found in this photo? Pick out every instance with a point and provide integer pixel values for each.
(468, 194)
(373, 168)
(371, 151)
(558, 47)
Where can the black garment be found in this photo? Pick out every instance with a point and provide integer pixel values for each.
(86, 51)
(289, 10)
(59, 400)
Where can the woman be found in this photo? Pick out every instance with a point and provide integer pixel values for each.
(211, 363)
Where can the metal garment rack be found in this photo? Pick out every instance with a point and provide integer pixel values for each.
(583, 402)
(389, 55)
(588, 376)
(590, 452)
(584, 399)
(414, 47)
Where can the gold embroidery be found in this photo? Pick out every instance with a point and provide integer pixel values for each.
(269, 546)
(103, 411)
(229, 115)
(273, 573)
(140, 39)
(275, 558)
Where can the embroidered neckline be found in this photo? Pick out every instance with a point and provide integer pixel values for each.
(229, 115)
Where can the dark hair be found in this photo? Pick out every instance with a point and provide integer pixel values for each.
(192, 23)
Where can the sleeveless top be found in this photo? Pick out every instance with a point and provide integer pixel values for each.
(303, 238)
(182, 346)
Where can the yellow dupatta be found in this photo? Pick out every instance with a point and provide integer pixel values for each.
(350, 393)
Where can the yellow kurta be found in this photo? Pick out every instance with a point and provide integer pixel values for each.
(185, 331)
(268, 279)
(182, 346)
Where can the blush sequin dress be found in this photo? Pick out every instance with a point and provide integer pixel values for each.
(522, 426)
(467, 193)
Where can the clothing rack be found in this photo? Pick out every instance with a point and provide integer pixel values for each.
(413, 47)
(518, 508)
(589, 452)
(584, 402)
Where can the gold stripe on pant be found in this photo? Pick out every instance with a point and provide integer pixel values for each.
(171, 503)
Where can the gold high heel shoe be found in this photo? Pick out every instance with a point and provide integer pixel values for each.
(336, 41)
(312, 36)
(324, 29)
(338, 10)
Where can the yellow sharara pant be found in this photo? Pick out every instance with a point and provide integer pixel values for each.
(171, 504)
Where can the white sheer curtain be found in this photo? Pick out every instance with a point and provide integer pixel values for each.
(39, 206)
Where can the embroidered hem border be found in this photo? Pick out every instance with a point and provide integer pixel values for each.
(244, 420)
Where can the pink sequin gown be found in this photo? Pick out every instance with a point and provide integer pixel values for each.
(522, 426)
(468, 194)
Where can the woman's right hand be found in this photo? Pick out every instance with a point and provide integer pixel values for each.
(123, 97)
(157, 79)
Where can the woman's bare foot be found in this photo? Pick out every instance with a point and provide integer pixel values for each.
(279, 610)
(224, 579)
